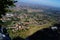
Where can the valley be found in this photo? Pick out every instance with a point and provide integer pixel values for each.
(24, 21)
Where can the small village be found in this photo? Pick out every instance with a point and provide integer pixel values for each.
(21, 21)
(17, 25)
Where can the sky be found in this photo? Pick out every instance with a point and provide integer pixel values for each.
(54, 3)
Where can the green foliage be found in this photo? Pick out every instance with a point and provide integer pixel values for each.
(4, 4)
(4, 7)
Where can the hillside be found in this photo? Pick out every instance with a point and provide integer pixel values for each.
(25, 20)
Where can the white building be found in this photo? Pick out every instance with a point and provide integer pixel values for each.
(9, 15)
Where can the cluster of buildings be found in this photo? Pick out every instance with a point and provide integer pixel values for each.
(19, 26)
(16, 26)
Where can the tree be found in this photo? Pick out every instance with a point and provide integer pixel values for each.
(4, 7)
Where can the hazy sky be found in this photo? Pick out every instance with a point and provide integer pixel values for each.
(55, 3)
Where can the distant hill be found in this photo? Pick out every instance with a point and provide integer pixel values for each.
(35, 6)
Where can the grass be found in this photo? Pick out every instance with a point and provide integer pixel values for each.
(32, 30)
(25, 33)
